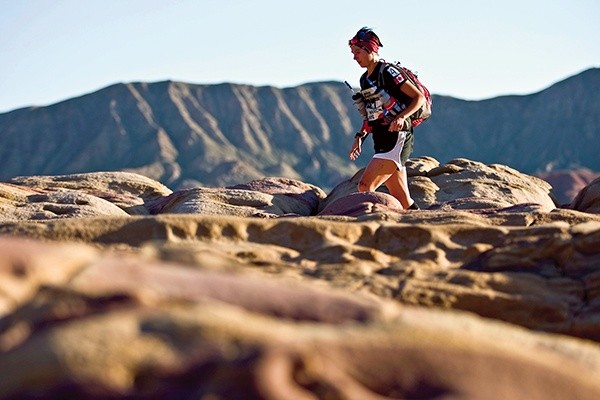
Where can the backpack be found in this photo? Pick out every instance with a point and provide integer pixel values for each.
(425, 111)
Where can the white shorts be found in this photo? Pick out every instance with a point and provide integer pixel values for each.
(394, 154)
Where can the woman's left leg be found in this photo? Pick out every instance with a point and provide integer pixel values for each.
(397, 185)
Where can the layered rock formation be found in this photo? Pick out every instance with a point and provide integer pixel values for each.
(567, 184)
(119, 287)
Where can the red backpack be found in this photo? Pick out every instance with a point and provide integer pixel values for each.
(425, 111)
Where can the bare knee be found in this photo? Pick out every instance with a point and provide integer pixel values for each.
(364, 186)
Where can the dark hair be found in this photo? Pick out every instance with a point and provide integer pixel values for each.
(366, 33)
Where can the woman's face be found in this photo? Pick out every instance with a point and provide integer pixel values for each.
(362, 56)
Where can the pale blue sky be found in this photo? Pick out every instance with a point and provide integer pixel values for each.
(52, 50)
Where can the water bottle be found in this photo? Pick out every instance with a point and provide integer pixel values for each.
(391, 108)
(359, 103)
(358, 100)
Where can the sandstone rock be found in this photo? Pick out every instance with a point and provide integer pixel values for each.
(495, 185)
(420, 166)
(70, 205)
(35, 204)
(219, 201)
(443, 260)
(268, 197)
(588, 200)
(462, 184)
(343, 189)
(459, 184)
(357, 204)
(12, 200)
(125, 326)
(305, 198)
(566, 184)
(201, 299)
(127, 190)
(26, 265)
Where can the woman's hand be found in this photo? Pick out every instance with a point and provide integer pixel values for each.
(418, 99)
(356, 148)
(397, 124)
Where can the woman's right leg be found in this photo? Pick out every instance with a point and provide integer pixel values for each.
(377, 172)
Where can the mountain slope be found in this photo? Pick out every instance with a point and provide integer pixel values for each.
(553, 129)
(186, 134)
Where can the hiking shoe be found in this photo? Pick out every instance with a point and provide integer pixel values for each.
(414, 206)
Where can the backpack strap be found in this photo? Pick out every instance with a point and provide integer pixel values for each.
(380, 78)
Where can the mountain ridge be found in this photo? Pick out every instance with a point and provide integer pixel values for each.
(216, 134)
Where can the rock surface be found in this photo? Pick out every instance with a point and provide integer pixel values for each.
(463, 184)
(567, 184)
(273, 289)
(588, 200)
(267, 197)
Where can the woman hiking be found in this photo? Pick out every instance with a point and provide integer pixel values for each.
(386, 101)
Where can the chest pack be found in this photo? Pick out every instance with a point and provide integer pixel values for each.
(425, 111)
(378, 104)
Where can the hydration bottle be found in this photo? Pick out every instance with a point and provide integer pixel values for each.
(358, 100)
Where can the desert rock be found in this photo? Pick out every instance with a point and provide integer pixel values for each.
(119, 325)
(268, 197)
(129, 191)
(273, 289)
(588, 199)
(566, 184)
(463, 184)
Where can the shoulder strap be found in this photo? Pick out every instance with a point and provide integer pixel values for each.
(363, 78)
(380, 75)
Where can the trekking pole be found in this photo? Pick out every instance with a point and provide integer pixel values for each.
(350, 87)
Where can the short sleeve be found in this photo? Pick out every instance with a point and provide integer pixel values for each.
(394, 74)
(393, 80)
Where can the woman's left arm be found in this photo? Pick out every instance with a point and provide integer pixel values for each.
(418, 99)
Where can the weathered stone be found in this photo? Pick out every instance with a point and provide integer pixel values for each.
(462, 184)
(127, 190)
(125, 326)
(201, 299)
(306, 197)
(356, 204)
(588, 200)
(233, 202)
(27, 265)
(566, 184)
(268, 197)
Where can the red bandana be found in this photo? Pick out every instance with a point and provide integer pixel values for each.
(367, 40)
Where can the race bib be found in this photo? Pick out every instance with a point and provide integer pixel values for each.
(374, 103)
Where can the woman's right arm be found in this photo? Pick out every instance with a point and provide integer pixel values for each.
(356, 148)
